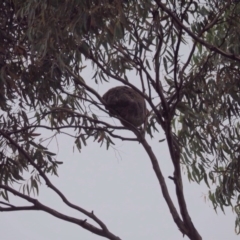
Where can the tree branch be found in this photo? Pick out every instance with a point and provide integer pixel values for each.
(196, 38)
(163, 186)
(50, 185)
(105, 129)
(39, 206)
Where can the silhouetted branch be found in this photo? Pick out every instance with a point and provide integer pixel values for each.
(49, 184)
(196, 38)
(104, 129)
(39, 206)
(163, 186)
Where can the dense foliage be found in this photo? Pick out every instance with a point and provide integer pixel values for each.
(193, 95)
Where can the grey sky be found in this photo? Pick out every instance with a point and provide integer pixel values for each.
(121, 188)
(123, 192)
(119, 185)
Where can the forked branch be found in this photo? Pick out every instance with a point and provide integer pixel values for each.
(102, 232)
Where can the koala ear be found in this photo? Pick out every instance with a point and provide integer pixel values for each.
(127, 104)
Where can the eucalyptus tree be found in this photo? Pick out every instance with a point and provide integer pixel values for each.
(193, 96)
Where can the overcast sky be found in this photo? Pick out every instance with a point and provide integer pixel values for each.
(120, 186)
(122, 189)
